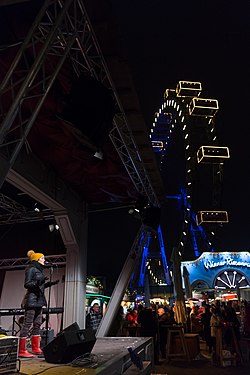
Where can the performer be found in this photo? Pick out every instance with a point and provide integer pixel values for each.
(33, 302)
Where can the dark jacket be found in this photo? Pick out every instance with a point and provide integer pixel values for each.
(149, 323)
(35, 285)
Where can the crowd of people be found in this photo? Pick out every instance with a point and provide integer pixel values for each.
(221, 325)
(152, 321)
(218, 325)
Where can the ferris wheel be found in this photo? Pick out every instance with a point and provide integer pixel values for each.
(186, 115)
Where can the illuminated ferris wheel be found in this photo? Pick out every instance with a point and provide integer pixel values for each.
(192, 117)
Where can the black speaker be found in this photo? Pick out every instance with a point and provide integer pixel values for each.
(72, 327)
(69, 344)
(46, 335)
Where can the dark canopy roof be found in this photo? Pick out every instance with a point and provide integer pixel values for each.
(76, 117)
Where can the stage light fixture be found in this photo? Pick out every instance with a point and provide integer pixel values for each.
(135, 213)
(98, 154)
(148, 214)
(53, 227)
(36, 208)
(212, 154)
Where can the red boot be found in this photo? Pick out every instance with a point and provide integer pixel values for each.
(22, 352)
(35, 344)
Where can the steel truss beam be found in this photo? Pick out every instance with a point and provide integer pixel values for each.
(130, 155)
(62, 28)
(10, 205)
(19, 213)
(14, 263)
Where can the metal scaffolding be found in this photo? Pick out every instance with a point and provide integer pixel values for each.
(21, 263)
(18, 213)
(62, 29)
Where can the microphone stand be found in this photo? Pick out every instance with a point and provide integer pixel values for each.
(48, 306)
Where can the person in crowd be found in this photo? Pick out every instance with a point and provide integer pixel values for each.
(131, 318)
(216, 334)
(170, 315)
(34, 300)
(164, 322)
(118, 324)
(205, 321)
(140, 308)
(246, 319)
(94, 317)
(188, 323)
(149, 328)
(231, 327)
(196, 326)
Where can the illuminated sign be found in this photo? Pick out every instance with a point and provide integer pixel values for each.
(226, 262)
(225, 270)
(92, 289)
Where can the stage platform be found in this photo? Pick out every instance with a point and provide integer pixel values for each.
(110, 357)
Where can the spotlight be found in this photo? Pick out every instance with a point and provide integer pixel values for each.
(99, 154)
(135, 213)
(36, 208)
(53, 227)
(141, 203)
(148, 214)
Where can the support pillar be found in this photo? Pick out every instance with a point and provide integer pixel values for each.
(75, 288)
(76, 268)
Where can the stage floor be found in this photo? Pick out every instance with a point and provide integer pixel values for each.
(110, 356)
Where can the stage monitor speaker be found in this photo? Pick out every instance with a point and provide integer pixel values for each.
(46, 336)
(72, 327)
(69, 345)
